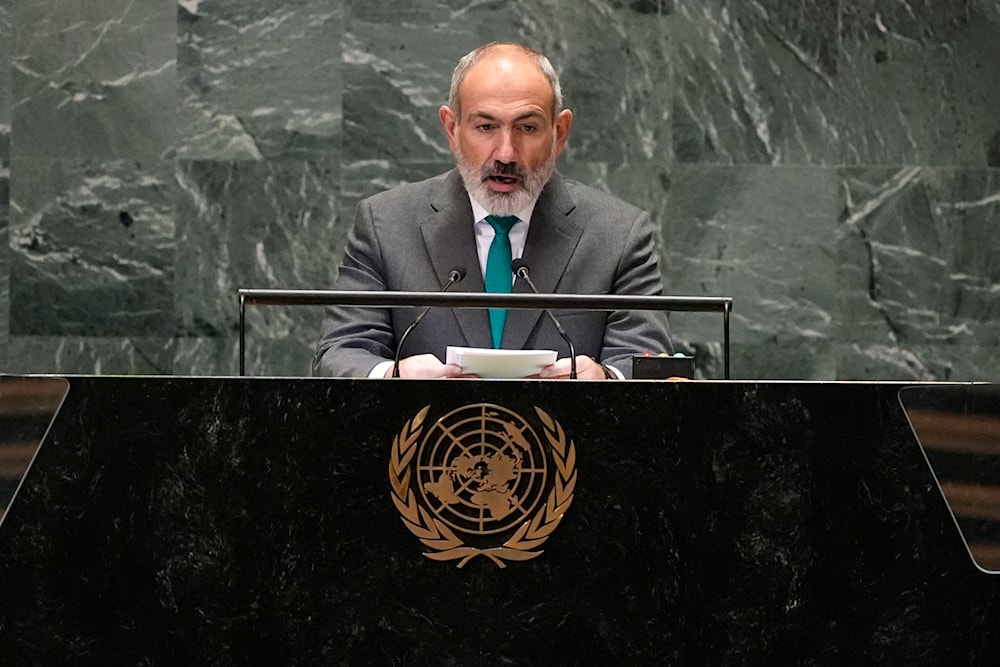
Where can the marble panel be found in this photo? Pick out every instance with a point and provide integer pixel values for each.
(918, 363)
(919, 83)
(668, 98)
(265, 354)
(93, 80)
(917, 258)
(756, 82)
(614, 64)
(4, 261)
(271, 224)
(92, 248)
(259, 80)
(5, 39)
(761, 235)
(90, 355)
(209, 356)
(391, 104)
(398, 64)
(699, 213)
(787, 359)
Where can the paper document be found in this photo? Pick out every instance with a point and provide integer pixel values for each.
(489, 363)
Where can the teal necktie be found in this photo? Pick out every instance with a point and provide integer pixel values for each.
(498, 272)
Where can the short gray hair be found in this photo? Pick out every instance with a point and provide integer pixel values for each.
(473, 58)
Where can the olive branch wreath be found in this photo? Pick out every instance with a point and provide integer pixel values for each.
(443, 541)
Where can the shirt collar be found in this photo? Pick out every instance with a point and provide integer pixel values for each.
(479, 211)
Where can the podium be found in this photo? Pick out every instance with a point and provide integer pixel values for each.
(237, 520)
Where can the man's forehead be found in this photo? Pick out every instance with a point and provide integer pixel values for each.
(528, 113)
(506, 81)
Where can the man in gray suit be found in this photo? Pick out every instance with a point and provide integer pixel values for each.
(506, 127)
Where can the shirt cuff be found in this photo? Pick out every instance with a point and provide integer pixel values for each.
(380, 369)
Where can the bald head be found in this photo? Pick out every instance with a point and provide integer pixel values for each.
(501, 56)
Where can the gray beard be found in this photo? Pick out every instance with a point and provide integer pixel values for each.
(505, 203)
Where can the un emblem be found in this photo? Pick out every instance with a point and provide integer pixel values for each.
(481, 482)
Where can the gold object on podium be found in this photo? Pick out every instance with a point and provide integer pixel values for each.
(478, 482)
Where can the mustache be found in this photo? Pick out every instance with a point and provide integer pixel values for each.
(510, 169)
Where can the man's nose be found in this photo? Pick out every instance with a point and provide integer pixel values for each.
(506, 150)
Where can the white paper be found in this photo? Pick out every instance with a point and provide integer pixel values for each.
(490, 363)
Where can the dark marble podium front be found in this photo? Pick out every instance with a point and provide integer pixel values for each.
(236, 521)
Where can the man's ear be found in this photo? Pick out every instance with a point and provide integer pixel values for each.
(450, 123)
(564, 120)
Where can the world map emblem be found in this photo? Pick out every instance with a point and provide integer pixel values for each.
(482, 481)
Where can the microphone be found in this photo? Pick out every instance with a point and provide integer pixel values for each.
(521, 271)
(454, 276)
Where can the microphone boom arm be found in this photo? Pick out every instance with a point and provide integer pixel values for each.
(454, 276)
(521, 271)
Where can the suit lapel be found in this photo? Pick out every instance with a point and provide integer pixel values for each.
(552, 239)
(451, 242)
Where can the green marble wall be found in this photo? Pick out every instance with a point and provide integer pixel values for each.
(832, 165)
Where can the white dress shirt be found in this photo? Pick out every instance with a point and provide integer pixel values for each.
(484, 233)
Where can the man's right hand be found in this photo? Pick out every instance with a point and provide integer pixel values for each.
(427, 366)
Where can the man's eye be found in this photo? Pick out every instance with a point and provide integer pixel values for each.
(485, 127)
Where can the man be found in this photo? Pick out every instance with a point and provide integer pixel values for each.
(506, 127)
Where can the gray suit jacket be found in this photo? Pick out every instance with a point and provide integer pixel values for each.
(580, 241)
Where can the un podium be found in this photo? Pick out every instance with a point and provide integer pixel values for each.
(305, 521)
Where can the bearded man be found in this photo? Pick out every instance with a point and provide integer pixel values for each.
(506, 127)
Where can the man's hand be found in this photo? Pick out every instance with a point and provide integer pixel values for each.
(427, 366)
(586, 369)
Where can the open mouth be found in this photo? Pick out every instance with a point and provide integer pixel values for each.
(504, 176)
(504, 180)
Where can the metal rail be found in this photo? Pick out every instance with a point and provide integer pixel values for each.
(389, 299)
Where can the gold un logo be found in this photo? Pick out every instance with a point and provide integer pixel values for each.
(478, 482)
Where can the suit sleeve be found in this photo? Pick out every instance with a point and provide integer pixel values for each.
(353, 340)
(638, 272)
